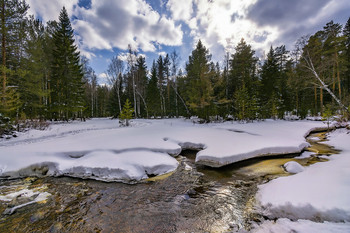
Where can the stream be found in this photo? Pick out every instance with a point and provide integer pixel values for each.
(192, 199)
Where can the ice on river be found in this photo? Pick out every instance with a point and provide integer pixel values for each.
(99, 149)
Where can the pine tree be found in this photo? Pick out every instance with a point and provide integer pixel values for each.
(242, 73)
(161, 83)
(246, 105)
(153, 95)
(126, 113)
(141, 83)
(346, 74)
(12, 18)
(332, 43)
(66, 83)
(269, 85)
(33, 87)
(200, 91)
(242, 69)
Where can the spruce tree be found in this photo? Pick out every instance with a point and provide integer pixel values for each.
(269, 86)
(67, 74)
(126, 113)
(153, 95)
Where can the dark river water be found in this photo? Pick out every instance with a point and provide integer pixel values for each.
(191, 199)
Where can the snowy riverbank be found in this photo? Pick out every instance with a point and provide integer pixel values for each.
(314, 200)
(99, 149)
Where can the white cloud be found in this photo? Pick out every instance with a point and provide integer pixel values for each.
(50, 10)
(162, 53)
(180, 9)
(102, 79)
(221, 24)
(111, 24)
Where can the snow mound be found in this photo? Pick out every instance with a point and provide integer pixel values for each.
(99, 149)
(99, 165)
(301, 226)
(320, 193)
(293, 167)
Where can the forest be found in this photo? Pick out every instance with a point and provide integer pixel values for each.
(44, 77)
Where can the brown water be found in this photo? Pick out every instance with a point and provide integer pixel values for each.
(191, 199)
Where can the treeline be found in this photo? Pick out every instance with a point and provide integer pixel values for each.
(43, 76)
(244, 87)
(41, 72)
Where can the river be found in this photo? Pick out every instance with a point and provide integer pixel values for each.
(191, 199)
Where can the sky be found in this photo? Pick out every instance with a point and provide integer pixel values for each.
(105, 28)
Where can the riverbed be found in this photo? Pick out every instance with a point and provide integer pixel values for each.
(194, 198)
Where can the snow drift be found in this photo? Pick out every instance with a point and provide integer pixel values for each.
(99, 149)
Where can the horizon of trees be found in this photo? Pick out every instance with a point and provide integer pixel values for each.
(43, 76)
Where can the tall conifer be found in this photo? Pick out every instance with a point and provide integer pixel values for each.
(67, 74)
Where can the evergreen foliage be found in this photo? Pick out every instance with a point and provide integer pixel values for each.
(200, 90)
(246, 105)
(126, 113)
(153, 95)
(66, 83)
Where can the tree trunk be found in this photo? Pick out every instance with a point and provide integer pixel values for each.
(176, 103)
(118, 93)
(311, 67)
(315, 91)
(134, 92)
(338, 75)
(3, 49)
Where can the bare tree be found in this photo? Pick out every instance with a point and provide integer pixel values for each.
(115, 71)
(174, 57)
(131, 63)
(306, 56)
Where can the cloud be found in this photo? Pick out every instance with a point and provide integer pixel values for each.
(50, 10)
(221, 24)
(115, 24)
(277, 12)
(103, 79)
(106, 24)
(180, 9)
(293, 19)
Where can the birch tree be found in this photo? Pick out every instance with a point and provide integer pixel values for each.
(115, 71)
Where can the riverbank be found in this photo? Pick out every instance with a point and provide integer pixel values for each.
(316, 198)
(193, 198)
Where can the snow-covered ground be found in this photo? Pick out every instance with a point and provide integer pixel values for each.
(99, 149)
(314, 200)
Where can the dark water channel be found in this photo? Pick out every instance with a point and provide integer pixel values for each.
(192, 199)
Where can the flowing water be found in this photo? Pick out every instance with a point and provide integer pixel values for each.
(191, 199)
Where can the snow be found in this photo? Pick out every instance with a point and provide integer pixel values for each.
(40, 198)
(320, 193)
(284, 225)
(24, 194)
(293, 167)
(99, 149)
(305, 154)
